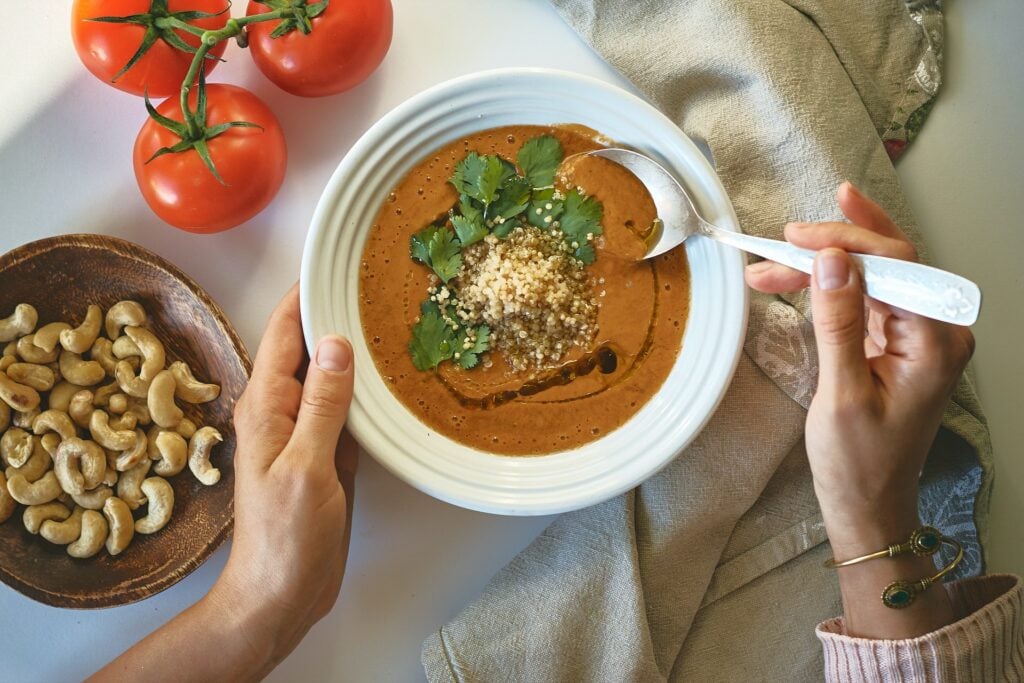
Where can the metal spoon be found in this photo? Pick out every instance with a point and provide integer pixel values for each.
(911, 286)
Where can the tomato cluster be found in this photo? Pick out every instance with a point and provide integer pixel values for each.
(220, 159)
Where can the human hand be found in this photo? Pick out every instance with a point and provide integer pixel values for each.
(293, 488)
(880, 395)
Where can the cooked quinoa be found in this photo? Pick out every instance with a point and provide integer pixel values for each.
(532, 293)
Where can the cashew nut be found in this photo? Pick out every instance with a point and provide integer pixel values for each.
(30, 353)
(122, 422)
(125, 348)
(128, 484)
(5, 415)
(35, 515)
(17, 396)
(60, 395)
(188, 388)
(80, 408)
(79, 465)
(84, 373)
(93, 500)
(173, 453)
(16, 447)
(199, 448)
(99, 427)
(101, 353)
(130, 458)
(94, 534)
(39, 377)
(25, 418)
(160, 497)
(79, 339)
(124, 313)
(186, 428)
(101, 396)
(50, 443)
(118, 403)
(139, 409)
(7, 502)
(47, 336)
(6, 362)
(54, 421)
(65, 531)
(153, 356)
(21, 322)
(161, 400)
(122, 526)
(110, 473)
(130, 384)
(46, 489)
(37, 464)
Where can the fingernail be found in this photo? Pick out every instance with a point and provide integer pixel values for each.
(333, 354)
(760, 266)
(854, 189)
(831, 269)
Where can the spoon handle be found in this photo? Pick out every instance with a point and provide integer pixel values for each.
(911, 286)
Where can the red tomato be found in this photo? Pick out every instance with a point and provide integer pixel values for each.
(180, 188)
(105, 48)
(347, 43)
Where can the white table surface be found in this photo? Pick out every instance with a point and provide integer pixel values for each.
(65, 166)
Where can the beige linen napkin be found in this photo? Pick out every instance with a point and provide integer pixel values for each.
(711, 570)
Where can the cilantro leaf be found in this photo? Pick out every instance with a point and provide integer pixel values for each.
(469, 208)
(539, 159)
(445, 258)
(479, 177)
(505, 229)
(512, 199)
(432, 341)
(586, 254)
(582, 216)
(540, 204)
(468, 358)
(437, 247)
(418, 243)
(469, 230)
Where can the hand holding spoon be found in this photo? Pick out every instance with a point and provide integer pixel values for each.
(914, 287)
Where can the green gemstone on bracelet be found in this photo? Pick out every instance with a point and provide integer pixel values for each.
(898, 594)
(925, 541)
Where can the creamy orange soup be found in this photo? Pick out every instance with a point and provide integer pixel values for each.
(642, 311)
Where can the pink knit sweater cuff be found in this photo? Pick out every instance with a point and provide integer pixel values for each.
(985, 644)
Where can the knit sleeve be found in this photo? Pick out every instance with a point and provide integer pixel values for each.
(986, 643)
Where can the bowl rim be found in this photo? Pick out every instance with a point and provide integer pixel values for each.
(126, 249)
(375, 440)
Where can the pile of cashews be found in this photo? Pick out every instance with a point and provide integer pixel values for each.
(72, 404)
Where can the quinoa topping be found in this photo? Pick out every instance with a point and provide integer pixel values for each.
(532, 293)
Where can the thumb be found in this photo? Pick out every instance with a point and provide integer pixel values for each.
(837, 302)
(326, 396)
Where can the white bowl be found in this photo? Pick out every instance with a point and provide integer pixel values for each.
(449, 470)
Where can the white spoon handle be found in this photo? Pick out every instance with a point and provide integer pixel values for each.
(911, 286)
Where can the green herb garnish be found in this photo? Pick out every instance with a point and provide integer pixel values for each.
(437, 247)
(494, 199)
(539, 158)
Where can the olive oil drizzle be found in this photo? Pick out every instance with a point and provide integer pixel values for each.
(604, 358)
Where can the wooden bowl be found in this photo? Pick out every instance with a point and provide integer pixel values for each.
(61, 276)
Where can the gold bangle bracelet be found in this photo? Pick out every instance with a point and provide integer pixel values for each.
(922, 542)
(902, 593)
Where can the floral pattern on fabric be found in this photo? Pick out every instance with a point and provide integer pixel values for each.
(923, 85)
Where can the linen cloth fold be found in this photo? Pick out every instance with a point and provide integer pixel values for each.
(711, 570)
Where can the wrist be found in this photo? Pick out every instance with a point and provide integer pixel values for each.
(251, 629)
(856, 529)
